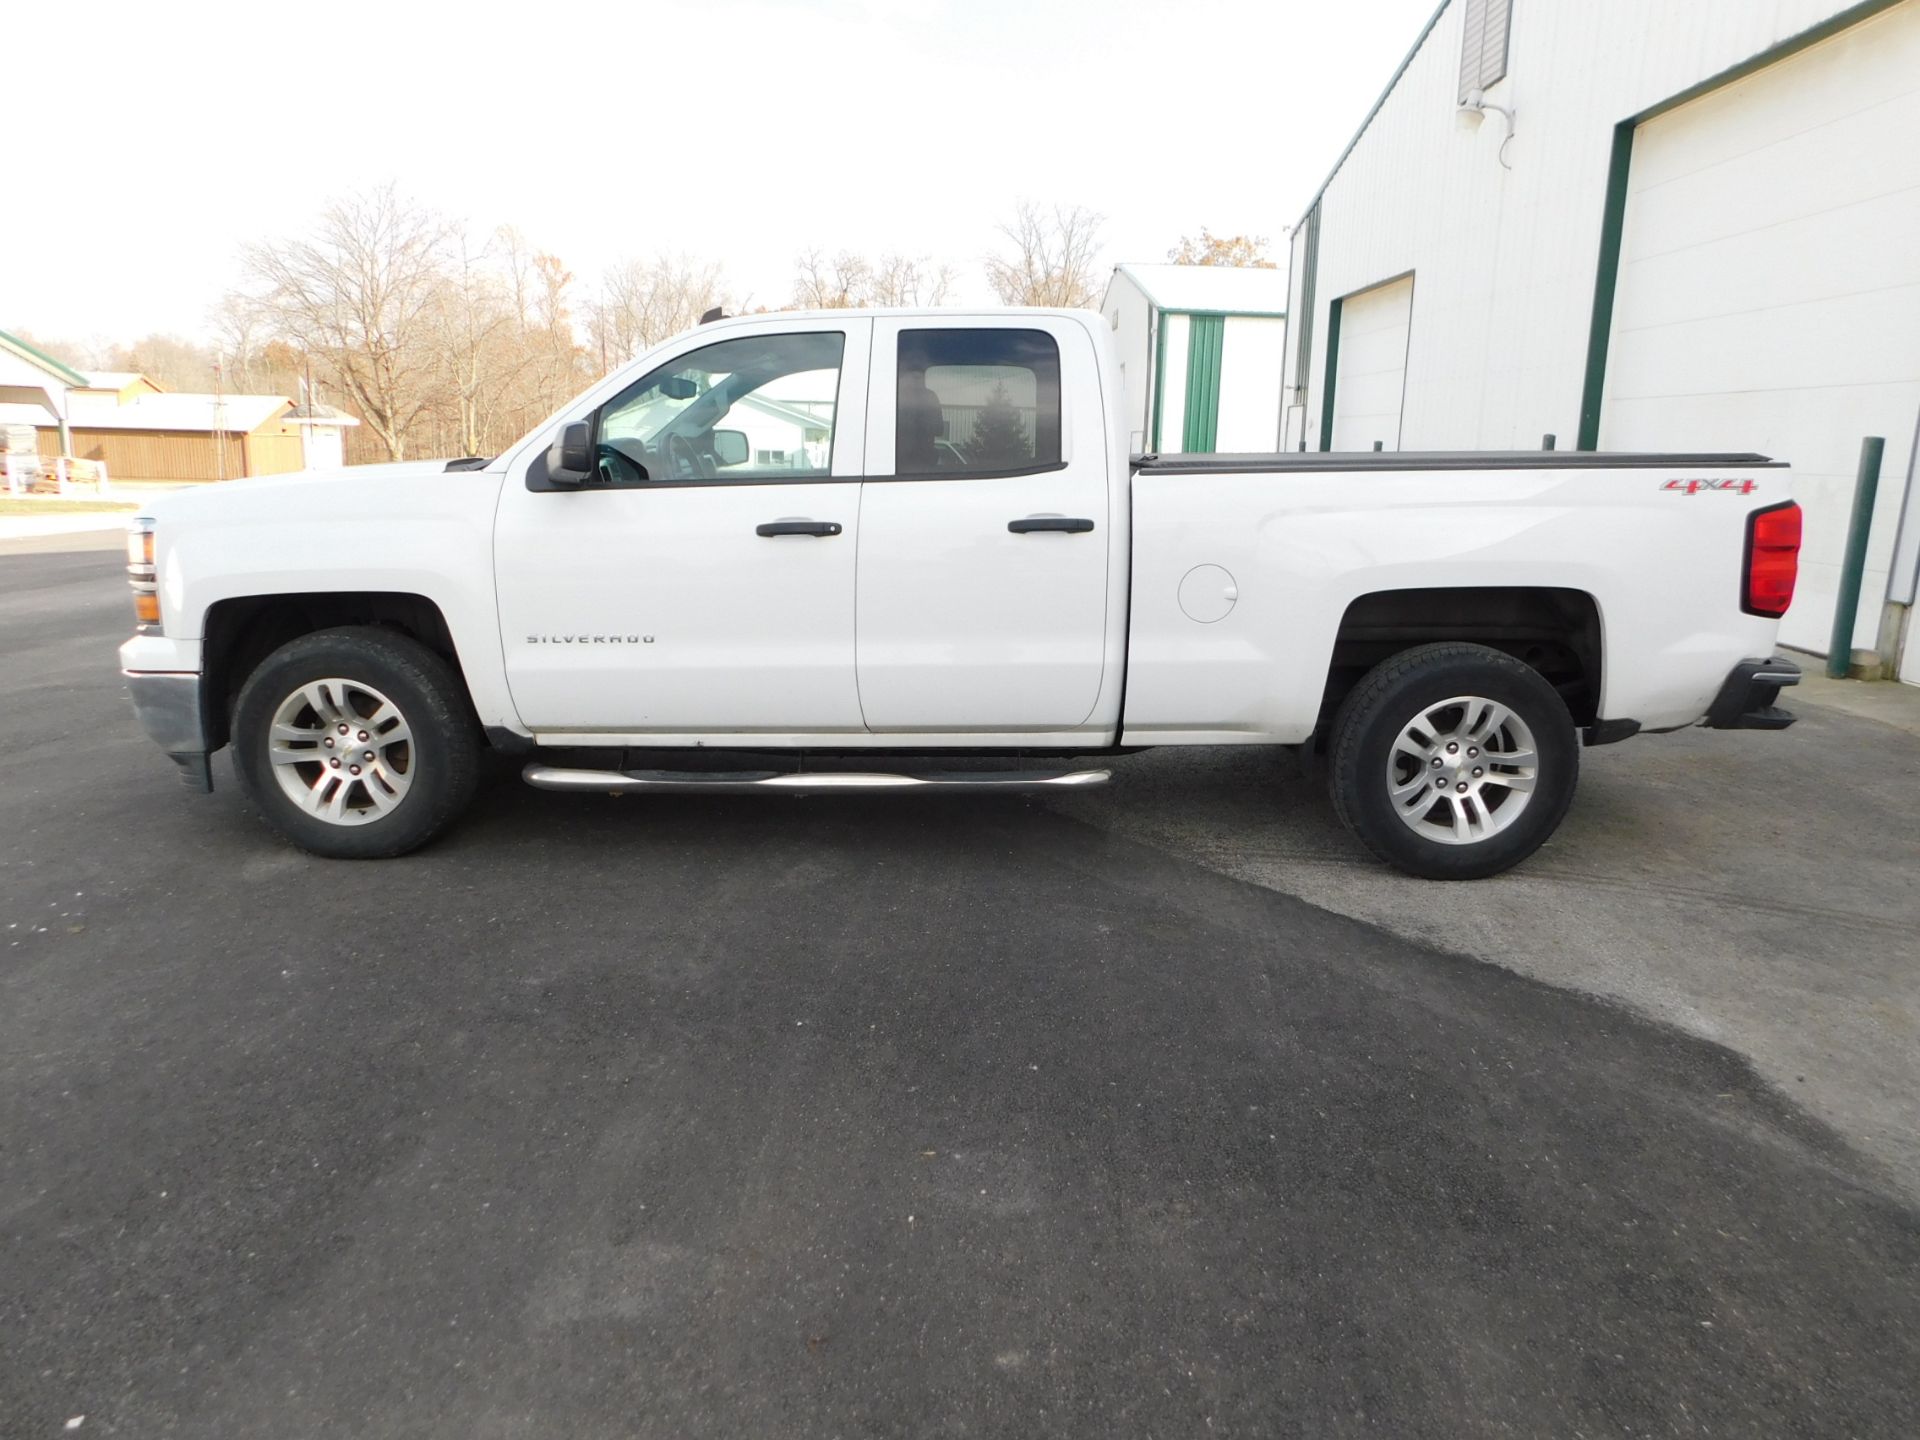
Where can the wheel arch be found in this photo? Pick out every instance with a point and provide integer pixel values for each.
(241, 631)
(1555, 631)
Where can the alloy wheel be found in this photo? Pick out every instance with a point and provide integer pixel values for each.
(1462, 770)
(341, 751)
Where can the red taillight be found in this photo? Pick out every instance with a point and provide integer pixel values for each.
(1773, 560)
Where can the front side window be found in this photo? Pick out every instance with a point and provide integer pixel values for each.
(977, 402)
(757, 408)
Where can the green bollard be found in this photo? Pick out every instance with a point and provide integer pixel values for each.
(1854, 562)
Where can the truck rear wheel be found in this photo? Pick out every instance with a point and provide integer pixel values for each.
(355, 743)
(1453, 761)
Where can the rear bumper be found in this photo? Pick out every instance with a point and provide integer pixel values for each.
(1745, 702)
(168, 705)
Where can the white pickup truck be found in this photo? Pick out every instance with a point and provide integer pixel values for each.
(812, 552)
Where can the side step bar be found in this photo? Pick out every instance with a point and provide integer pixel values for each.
(786, 782)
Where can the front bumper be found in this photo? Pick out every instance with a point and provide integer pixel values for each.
(1745, 702)
(168, 705)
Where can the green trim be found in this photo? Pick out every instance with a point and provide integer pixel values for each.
(1154, 302)
(1606, 279)
(1201, 324)
(1613, 215)
(1385, 94)
(1200, 423)
(1825, 30)
(1159, 378)
(30, 352)
(1333, 369)
(1228, 314)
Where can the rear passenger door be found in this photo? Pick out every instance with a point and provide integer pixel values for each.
(983, 551)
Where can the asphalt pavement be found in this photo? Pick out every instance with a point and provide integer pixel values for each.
(848, 1117)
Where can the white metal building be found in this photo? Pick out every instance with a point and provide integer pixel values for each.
(34, 387)
(1218, 333)
(1638, 225)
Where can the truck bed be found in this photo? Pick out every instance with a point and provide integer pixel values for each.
(1245, 568)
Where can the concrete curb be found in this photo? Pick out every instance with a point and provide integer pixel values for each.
(21, 527)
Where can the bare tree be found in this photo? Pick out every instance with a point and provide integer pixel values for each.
(642, 302)
(910, 280)
(559, 369)
(848, 281)
(241, 332)
(477, 338)
(82, 355)
(173, 363)
(1249, 251)
(1049, 257)
(837, 283)
(360, 296)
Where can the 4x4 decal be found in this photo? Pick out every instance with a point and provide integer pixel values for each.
(1694, 487)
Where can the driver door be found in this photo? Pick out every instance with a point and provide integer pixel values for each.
(703, 583)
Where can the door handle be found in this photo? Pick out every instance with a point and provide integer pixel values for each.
(1060, 523)
(798, 527)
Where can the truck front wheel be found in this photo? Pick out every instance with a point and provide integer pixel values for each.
(355, 743)
(1453, 761)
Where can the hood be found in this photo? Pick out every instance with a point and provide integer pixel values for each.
(306, 486)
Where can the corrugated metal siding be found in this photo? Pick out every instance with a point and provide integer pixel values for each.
(1769, 288)
(271, 454)
(171, 455)
(1206, 335)
(1506, 256)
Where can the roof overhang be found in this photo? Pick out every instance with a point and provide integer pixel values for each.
(39, 358)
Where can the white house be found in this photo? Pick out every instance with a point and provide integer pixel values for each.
(323, 434)
(787, 434)
(1638, 225)
(34, 392)
(1201, 348)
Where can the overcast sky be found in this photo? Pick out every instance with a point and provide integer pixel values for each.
(746, 130)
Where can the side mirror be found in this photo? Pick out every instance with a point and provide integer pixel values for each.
(730, 447)
(570, 457)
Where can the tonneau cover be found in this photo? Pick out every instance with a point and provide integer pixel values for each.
(1282, 462)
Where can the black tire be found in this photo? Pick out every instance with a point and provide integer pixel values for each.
(1399, 691)
(441, 760)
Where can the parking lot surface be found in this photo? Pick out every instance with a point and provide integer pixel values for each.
(942, 1117)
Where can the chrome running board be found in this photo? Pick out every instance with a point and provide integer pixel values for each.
(786, 782)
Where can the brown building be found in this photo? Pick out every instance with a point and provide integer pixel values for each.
(142, 432)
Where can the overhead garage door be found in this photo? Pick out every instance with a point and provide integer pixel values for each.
(1769, 287)
(1370, 367)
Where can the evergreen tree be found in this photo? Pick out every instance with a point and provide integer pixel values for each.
(1000, 440)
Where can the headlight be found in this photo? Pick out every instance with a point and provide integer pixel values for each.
(143, 575)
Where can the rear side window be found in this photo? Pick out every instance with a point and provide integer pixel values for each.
(977, 402)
